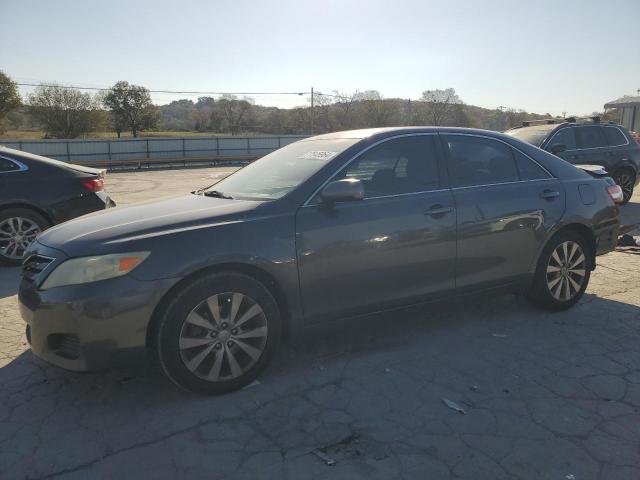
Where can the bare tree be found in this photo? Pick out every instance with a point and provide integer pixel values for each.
(377, 111)
(131, 105)
(336, 111)
(275, 121)
(514, 117)
(323, 104)
(461, 116)
(440, 104)
(505, 118)
(64, 112)
(296, 120)
(344, 108)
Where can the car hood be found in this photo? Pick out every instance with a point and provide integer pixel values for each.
(85, 235)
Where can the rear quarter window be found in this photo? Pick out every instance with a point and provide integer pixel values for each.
(614, 136)
(528, 169)
(7, 165)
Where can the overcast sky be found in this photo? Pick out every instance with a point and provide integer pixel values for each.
(541, 56)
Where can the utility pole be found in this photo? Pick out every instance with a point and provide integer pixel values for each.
(312, 112)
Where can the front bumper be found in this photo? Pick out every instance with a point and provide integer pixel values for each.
(90, 326)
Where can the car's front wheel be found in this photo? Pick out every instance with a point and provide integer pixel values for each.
(18, 228)
(218, 333)
(562, 273)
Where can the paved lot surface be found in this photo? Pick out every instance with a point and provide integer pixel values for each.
(552, 396)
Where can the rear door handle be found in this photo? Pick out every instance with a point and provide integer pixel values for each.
(549, 194)
(436, 210)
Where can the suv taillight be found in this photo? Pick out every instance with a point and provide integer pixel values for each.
(615, 192)
(93, 184)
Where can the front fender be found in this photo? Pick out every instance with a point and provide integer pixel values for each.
(266, 244)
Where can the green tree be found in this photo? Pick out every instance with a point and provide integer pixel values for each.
(64, 112)
(131, 105)
(9, 98)
(233, 112)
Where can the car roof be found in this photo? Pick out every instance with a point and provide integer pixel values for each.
(32, 158)
(391, 131)
(552, 126)
(538, 128)
(26, 156)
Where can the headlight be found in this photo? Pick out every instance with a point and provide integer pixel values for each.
(92, 269)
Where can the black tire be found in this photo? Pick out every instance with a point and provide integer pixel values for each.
(195, 297)
(544, 292)
(15, 213)
(626, 178)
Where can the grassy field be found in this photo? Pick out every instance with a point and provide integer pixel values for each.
(39, 135)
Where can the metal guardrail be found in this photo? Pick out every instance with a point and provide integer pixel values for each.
(153, 152)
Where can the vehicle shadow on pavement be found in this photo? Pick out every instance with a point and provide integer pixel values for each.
(515, 370)
(630, 215)
(9, 280)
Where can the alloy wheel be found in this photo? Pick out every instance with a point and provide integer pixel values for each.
(626, 181)
(566, 271)
(16, 234)
(223, 336)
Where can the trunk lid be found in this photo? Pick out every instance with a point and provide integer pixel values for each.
(596, 171)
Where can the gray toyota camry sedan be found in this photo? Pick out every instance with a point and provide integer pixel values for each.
(326, 228)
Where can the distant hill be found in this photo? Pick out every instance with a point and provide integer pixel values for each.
(231, 115)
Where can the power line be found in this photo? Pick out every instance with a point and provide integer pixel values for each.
(162, 91)
(331, 95)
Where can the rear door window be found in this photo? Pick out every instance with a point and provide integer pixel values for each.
(614, 136)
(564, 136)
(480, 161)
(589, 137)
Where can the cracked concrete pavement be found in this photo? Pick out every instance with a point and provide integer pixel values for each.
(546, 395)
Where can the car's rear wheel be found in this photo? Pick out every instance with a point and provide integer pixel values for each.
(218, 333)
(18, 228)
(626, 178)
(562, 273)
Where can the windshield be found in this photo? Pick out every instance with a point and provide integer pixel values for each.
(276, 174)
(533, 135)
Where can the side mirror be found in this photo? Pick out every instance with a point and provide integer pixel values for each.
(557, 148)
(344, 190)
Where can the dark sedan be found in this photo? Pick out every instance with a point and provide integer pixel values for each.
(37, 192)
(326, 228)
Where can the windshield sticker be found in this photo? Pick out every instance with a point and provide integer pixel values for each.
(318, 155)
